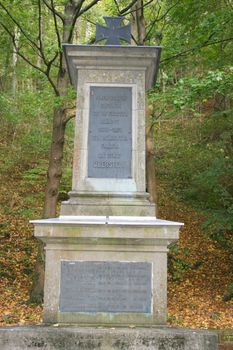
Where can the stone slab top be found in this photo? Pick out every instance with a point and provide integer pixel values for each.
(110, 47)
(48, 337)
(89, 330)
(107, 220)
(112, 57)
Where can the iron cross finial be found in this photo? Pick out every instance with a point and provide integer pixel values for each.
(113, 32)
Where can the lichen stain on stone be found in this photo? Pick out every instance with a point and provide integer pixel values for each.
(37, 343)
(148, 342)
(177, 343)
(121, 344)
(80, 342)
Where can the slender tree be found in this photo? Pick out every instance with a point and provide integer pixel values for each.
(63, 27)
(62, 17)
(53, 67)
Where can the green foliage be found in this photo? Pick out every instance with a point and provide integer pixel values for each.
(190, 92)
(177, 264)
(25, 124)
(65, 185)
(34, 175)
(229, 295)
(195, 151)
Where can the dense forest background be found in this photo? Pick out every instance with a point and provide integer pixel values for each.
(190, 115)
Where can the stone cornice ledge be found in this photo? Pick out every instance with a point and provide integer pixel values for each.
(104, 230)
(107, 220)
(108, 57)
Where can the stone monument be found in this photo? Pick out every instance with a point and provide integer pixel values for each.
(106, 254)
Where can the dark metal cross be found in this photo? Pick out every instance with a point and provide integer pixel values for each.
(113, 32)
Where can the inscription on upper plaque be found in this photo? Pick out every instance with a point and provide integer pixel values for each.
(110, 132)
(106, 286)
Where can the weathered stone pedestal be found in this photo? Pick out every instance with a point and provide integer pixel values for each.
(106, 270)
(109, 150)
(106, 255)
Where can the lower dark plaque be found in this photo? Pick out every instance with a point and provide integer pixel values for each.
(93, 286)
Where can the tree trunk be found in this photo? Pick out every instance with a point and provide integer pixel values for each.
(54, 172)
(72, 10)
(55, 164)
(37, 290)
(139, 34)
(53, 180)
(14, 62)
(150, 161)
(138, 26)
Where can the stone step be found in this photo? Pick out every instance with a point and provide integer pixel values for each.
(73, 338)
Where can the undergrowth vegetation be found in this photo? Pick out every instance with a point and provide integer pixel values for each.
(194, 146)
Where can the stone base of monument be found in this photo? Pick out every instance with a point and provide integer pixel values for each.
(73, 338)
(108, 203)
(104, 270)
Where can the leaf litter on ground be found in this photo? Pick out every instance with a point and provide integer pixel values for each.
(200, 270)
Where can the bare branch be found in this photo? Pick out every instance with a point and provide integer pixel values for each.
(69, 117)
(58, 39)
(150, 29)
(155, 9)
(33, 43)
(90, 21)
(85, 9)
(76, 15)
(38, 49)
(58, 14)
(41, 70)
(136, 9)
(127, 7)
(186, 52)
(155, 119)
(168, 10)
(117, 6)
(40, 25)
(134, 39)
(49, 65)
(157, 19)
(19, 53)
(8, 31)
(28, 61)
(40, 34)
(78, 6)
(78, 12)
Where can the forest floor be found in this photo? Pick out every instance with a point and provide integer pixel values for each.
(200, 270)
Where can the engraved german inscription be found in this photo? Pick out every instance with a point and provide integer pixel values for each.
(92, 286)
(110, 132)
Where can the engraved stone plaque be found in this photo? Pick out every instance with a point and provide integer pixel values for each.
(110, 132)
(92, 286)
